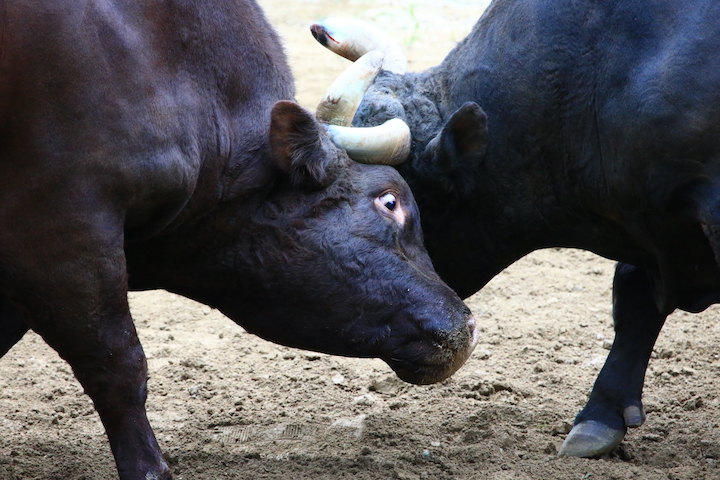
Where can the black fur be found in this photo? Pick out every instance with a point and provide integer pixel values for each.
(603, 133)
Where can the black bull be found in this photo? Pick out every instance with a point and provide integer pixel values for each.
(151, 144)
(586, 124)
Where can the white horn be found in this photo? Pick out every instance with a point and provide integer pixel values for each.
(351, 38)
(343, 98)
(386, 144)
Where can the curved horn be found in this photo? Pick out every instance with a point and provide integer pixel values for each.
(351, 38)
(343, 98)
(370, 49)
(386, 144)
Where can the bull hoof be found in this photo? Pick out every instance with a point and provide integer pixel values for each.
(590, 439)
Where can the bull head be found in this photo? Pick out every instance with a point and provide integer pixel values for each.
(371, 49)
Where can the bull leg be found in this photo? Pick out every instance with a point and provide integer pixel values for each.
(616, 399)
(12, 326)
(81, 311)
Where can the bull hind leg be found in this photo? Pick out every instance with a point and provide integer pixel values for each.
(616, 399)
(78, 304)
(12, 326)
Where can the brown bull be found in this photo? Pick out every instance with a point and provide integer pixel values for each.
(153, 144)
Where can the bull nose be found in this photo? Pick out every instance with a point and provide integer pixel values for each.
(438, 354)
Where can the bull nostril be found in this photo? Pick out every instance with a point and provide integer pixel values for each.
(474, 334)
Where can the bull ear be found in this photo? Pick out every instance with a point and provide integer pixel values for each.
(462, 142)
(296, 145)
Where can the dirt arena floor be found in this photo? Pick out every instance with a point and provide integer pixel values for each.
(227, 405)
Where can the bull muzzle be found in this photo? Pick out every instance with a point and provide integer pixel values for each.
(422, 364)
(372, 50)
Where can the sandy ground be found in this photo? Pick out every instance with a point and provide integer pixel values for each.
(227, 405)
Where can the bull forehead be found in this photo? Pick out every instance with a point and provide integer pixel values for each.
(411, 97)
(375, 179)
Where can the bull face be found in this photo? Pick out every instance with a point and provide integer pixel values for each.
(333, 261)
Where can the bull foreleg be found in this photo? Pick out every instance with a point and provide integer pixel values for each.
(86, 319)
(616, 399)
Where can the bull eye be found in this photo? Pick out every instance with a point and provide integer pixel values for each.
(388, 200)
(389, 205)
